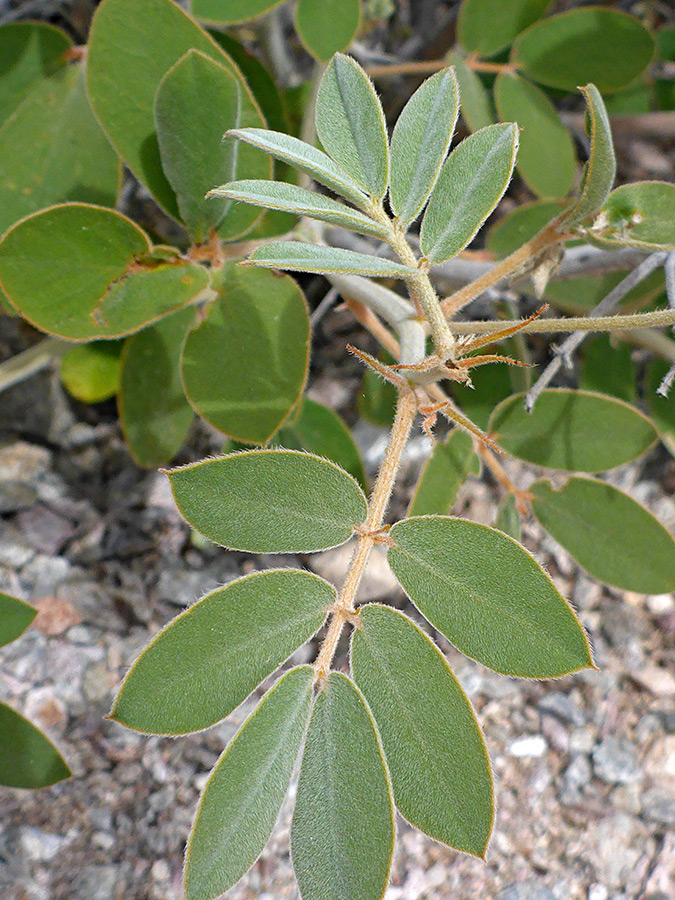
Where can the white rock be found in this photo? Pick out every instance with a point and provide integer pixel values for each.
(529, 747)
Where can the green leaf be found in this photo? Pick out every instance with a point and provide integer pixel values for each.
(28, 759)
(508, 517)
(613, 538)
(194, 155)
(91, 372)
(242, 798)
(475, 103)
(605, 46)
(518, 226)
(550, 174)
(320, 430)
(469, 187)
(208, 659)
(230, 12)
(154, 414)
(487, 26)
(576, 431)
(376, 399)
(342, 837)
(488, 596)
(245, 365)
(351, 126)
(438, 762)
(123, 77)
(304, 157)
(300, 201)
(298, 257)
(491, 385)
(444, 472)
(30, 51)
(608, 368)
(327, 26)
(83, 272)
(270, 501)
(661, 409)
(15, 617)
(53, 150)
(639, 214)
(581, 293)
(600, 170)
(420, 143)
(665, 43)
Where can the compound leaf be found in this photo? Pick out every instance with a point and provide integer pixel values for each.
(613, 538)
(208, 659)
(244, 366)
(298, 257)
(469, 187)
(639, 214)
(327, 26)
(230, 12)
(487, 26)
(351, 126)
(91, 372)
(244, 793)
(342, 837)
(444, 472)
(488, 596)
(15, 617)
(84, 272)
(154, 414)
(420, 143)
(28, 759)
(605, 46)
(30, 51)
(270, 501)
(439, 767)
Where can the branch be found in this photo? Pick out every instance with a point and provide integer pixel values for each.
(669, 267)
(655, 319)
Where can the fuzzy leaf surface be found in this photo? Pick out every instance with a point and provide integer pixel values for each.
(640, 214)
(245, 365)
(28, 759)
(91, 372)
(295, 256)
(351, 126)
(342, 836)
(439, 767)
(444, 472)
(15, 617)
(488, 596)
(30, 51)
(269, 501)
(242, 798)
(576, 431)
(420, 143)
(327, 26)
(231, 12)
(487, 26)
(208, 659)
(469, 187)
(615, 539)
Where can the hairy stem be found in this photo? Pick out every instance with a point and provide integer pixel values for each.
(427, 67)
(368, 533)
(655, 319)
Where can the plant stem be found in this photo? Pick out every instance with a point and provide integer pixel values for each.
(31, 361)
(426, 67)
(655, 319)
(406, 410)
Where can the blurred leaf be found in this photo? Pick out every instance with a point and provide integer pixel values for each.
(52, 149)
(420, 143)
(208, 659)
(342, 837)
(91, 372)
(245, 365)
(487, 26)
(640, 214)
(608, 368)
(661, 409)
(327, 26)
(242, 798)
(123, 77)
(269, 501)
(83, 272)
(15, 617)
(665, 43)
(610, 535)
(432, 741)
(491, 385)
(576, 431)
(631, 101)
(549, 174)
(295, 256)
(475, 103)
(376, 399)
(351, 126)
(320, 430)
(444, 472)
(469, 187)
(28, 759)
(154, 414)
(605, 46)
(488, 596)
(230, 12)
(30, 51)
(518, 226)
(508, 517)
(582, 292)
(194, 155)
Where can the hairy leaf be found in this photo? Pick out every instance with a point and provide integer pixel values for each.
(15, 617)
(327, 26)
(28, 759)
(487, 26)
(91, 372)
(440, 771)
(270, 501)
(640, 214)
(30, 51)
(298, 257)
(208, 659)
(488, 596)
(444, 472)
